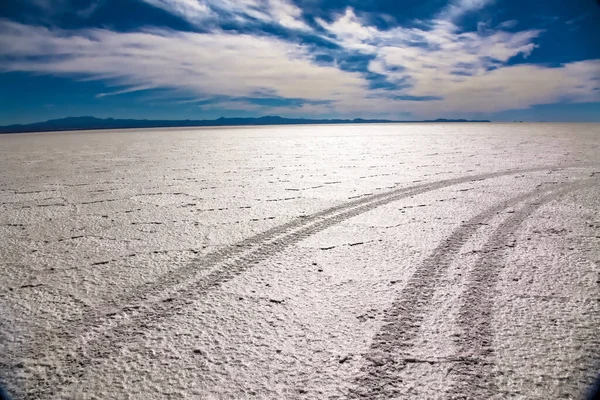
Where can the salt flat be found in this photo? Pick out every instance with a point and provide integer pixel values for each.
(314, 262)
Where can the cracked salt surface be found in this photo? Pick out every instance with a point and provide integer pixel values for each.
(363, 261)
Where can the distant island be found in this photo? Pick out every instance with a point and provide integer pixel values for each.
(87, 123)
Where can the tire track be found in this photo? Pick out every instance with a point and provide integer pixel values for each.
(153, 290)
(95, 337)
(389, 351)
(473, 378)
(149, 290)
(181, 275)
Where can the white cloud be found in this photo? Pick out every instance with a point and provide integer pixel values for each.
(519, 86)
(458, 8)
(287, 14)
(199, 12)
(348, 26)
(192, 10)
(219, 64)
(469, 70)
(508, 24)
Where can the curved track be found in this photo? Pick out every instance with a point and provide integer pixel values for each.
(390, 349)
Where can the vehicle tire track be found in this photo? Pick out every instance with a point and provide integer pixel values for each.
(101, 332)
(183, 274)
(149, 290)
(155, 290)
(390, 347)
(473, 377)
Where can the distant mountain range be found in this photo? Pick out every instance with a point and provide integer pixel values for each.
(85, 123)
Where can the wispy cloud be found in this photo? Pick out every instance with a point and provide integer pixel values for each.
(191, 10)
(508, 24)
(215, 63)
(578, 19)
(470, 71)
(459, 8)
(199, 12)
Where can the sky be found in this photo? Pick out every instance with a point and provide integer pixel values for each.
(502, 60)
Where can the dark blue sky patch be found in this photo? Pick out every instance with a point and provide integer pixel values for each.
(26, 97)
(324, 59)
(377, 81)
(382, 83)
(316, 41)
(354, 62)
(118, 15)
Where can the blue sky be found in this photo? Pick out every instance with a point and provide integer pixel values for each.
(503, 60)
